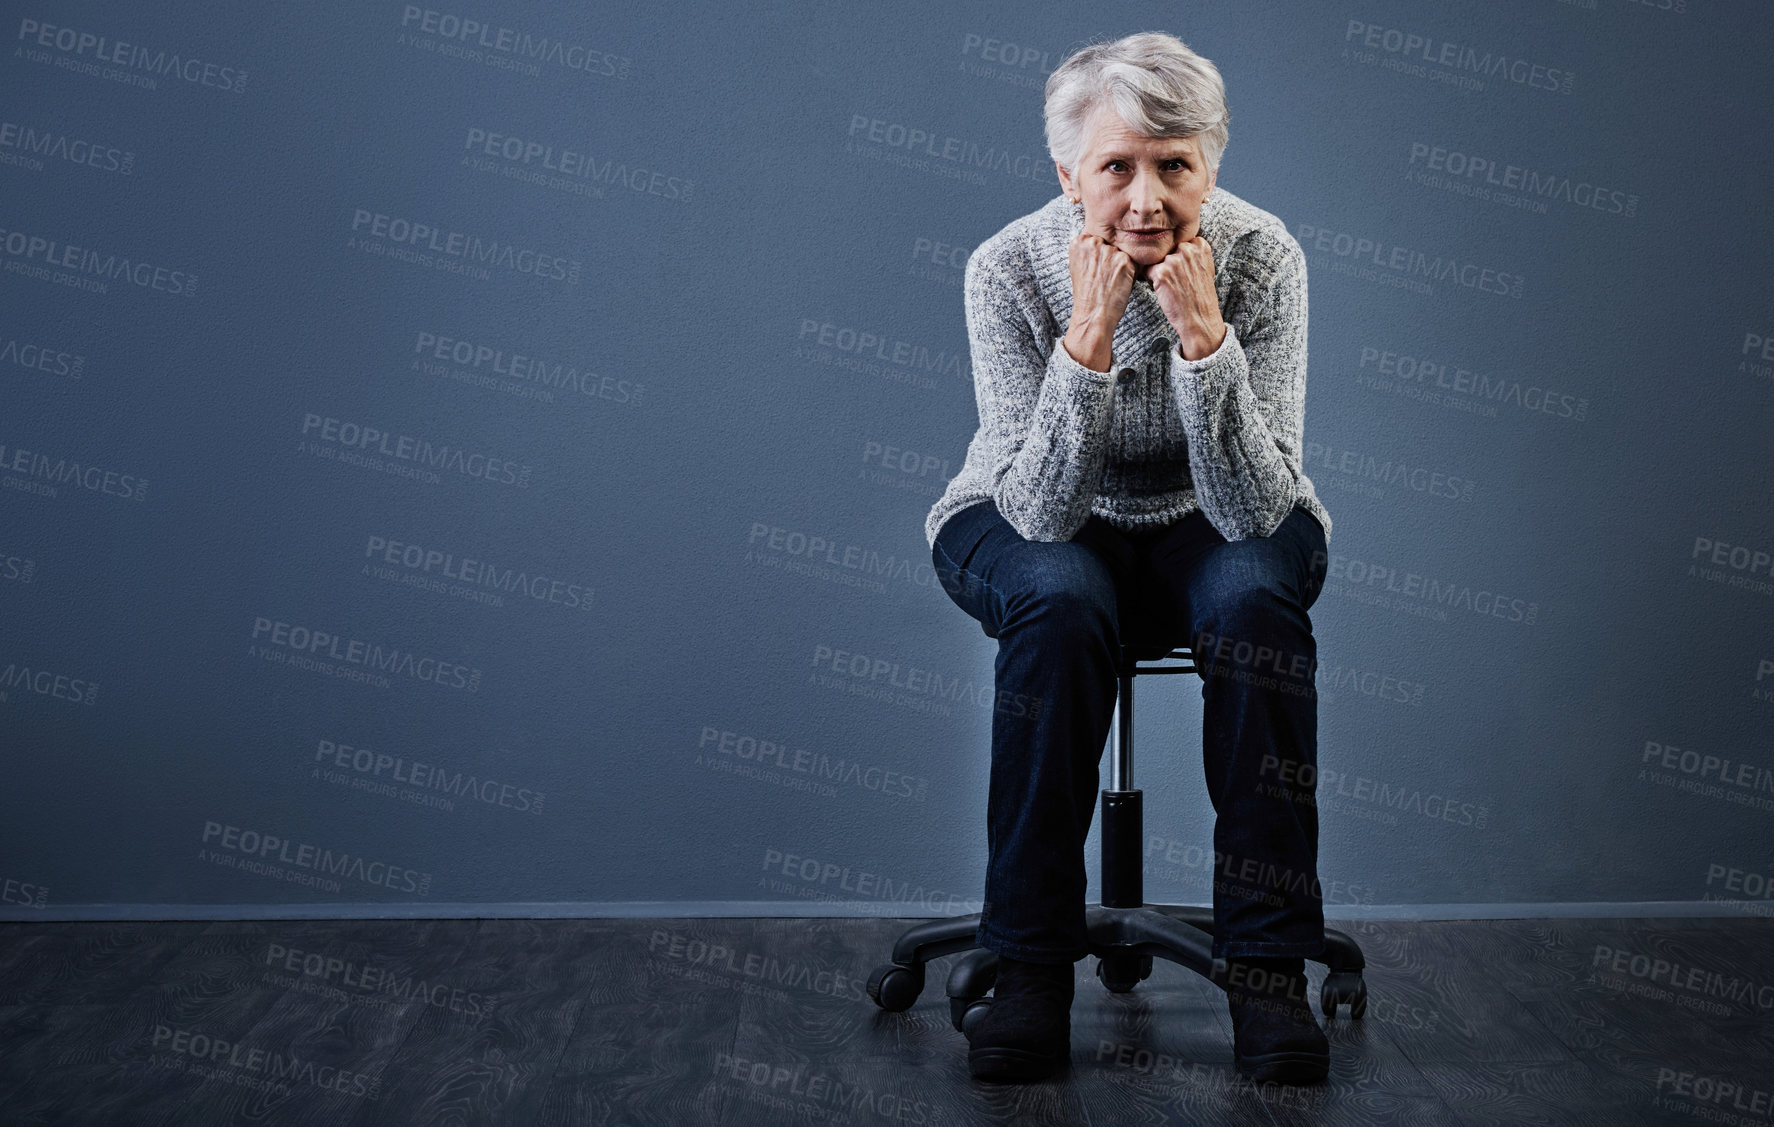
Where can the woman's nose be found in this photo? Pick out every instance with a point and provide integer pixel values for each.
(1146, 197)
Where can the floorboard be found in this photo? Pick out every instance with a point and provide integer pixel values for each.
(675, 1022)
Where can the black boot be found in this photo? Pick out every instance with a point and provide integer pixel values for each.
(1026, 1034)
(1274, 1035)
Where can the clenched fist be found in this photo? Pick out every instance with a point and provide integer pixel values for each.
(1183, 282)
(1102, 282)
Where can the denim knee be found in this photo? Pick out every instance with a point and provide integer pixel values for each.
(1059, 588)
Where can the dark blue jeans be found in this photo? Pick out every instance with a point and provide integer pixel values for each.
(1057, 609)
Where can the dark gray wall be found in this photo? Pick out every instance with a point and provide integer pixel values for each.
(691, 390)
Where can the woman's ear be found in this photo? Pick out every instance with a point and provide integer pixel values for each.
(1065, 183)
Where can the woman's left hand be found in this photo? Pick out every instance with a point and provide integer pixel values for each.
(1183, 283)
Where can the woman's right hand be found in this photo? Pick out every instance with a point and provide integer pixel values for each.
(1102, 283)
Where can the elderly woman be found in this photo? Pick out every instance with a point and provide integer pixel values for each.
(1139, 359)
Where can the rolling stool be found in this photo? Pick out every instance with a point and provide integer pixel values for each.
(1124, 932)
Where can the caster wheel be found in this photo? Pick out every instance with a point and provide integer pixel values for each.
(1121, 973)
(1343, 986)
(895, 987)
(965, 1013)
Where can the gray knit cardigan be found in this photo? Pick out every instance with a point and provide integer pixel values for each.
(1156, 436)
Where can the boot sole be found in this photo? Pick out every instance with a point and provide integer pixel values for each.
(1014, 1066)
(1284, 1067)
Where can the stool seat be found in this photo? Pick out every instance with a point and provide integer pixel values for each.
(1142, 641)
(1150, 651)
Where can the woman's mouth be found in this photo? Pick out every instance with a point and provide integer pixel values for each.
(1150, 235)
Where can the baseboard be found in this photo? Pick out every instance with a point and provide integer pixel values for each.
(726, 909)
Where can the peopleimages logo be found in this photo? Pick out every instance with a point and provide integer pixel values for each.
(376, 769)
(1459, 58)
(84, 268)
(24, 144)
(1381, 366)
(84, 45)
(311, 643)
(419, 451)
(488, 364)
(348, 979)
(471, 33)
(1492, 173)
(428, 245)
(957, 154)
(35, 472)
(265, 849)
(523, 153)
(881, 345)
(199, 1054)
(15, 676)
(1408, 264)
(18, 569)
(23, 892)
(1427, 592)
(479, 577)
(812, 554)
(1388, 471)
(40, 357)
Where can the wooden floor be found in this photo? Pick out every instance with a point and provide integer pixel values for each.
(681, 1021)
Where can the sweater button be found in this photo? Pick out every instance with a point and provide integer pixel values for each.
(1126, 374)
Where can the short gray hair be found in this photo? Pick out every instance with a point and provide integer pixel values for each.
(1155, 83)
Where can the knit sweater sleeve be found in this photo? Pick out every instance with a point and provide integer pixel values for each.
(1045, 418)
(1244, 408)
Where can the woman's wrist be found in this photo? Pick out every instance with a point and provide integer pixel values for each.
(1090, 347)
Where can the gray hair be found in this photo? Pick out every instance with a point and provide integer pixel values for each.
(1155, 83)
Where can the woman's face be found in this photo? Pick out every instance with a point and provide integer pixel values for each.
(1142, 194)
